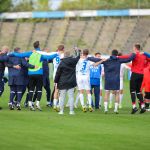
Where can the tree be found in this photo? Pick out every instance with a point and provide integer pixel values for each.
(5, 5)
(25, 5)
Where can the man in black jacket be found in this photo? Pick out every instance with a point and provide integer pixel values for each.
(65, 80)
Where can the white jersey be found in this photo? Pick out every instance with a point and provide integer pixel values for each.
(122, 70)
(56, 62)
(83, 67)
(83, 74)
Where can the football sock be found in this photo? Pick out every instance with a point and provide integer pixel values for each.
(105, 106)
(89, 99)
(82, 99)
(116, 107)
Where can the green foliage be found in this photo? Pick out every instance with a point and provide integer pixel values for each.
(103, 4)
(5, 5)
(42, 5)
(23, 6)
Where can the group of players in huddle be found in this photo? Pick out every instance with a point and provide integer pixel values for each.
(30, 71)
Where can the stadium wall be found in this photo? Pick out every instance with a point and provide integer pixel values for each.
(84, 13)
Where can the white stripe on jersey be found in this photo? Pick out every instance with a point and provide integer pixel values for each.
(56, 62)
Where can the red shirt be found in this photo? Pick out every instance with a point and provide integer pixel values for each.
(138, 63)
(146, 80)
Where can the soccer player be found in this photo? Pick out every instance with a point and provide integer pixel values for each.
(112, 76)
(65, 80)
(46, 80)
(3, 52)
(56, 62)
(146, 84)
(35, 75)
(95, 76)
(146, 87)
(137, 69)
(16, 77)
(122, 71)
(83, 79)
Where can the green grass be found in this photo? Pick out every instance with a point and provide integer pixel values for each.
(47, 130)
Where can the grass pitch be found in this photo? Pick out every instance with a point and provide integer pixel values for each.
(47, 130)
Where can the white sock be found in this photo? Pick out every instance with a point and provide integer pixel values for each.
(116, 107)
(105, 106)
(133, 106)
(77, 98)
(30, 103)
(143, 105)
(37, 103)
(111, 97)
(120, 98)
(100, 100)
(89, 99)
(82, 99)
(55, 102)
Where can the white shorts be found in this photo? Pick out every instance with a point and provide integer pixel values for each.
(83, 82)
(121, 83)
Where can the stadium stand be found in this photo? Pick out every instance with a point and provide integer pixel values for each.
(101, 34)
(123, 32)
(139, 34)
(23, 36)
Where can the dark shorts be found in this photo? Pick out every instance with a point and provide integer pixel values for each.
(136, 82)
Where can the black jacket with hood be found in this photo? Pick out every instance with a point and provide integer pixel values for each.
(66, 73)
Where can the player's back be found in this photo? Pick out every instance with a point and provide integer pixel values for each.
(83, 67)
(56, 62)
(138, 63)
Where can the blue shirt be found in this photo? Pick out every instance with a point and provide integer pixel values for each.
(95, 73)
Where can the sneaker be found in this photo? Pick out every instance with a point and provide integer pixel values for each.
(120, 106)
(71, 113)
(90, 109)
(32, 108)
(116, 112)
(134, 110)
(105, 111)
(110, 105)
(143, 110)
(11, 107)
(18, 107)
(61, 113)
(84, 109)
(48, 105)
(38, 107)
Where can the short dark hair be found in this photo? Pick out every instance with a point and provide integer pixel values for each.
(97, 53)
(16, 49)
(114, 52)
(85, 52)
(137, 46)
(36, 44)
(61, 47)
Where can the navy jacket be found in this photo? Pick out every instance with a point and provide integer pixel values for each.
(16, 76)
(112, 70)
